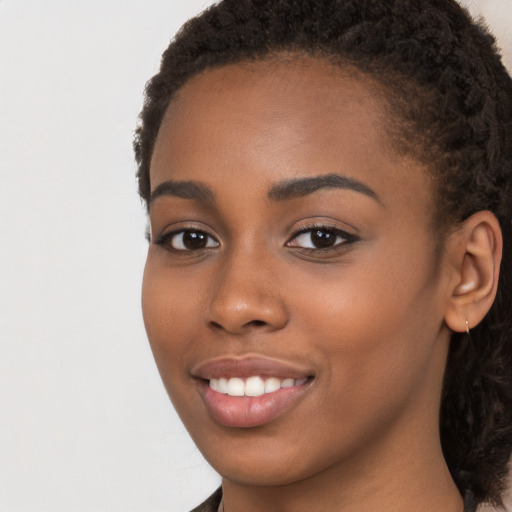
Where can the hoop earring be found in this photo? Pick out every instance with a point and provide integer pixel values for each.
(467, 328)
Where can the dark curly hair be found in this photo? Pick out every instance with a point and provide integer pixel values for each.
(451, 100)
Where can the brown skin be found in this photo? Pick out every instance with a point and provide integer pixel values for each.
(367, 318)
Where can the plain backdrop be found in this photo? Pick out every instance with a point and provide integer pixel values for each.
(85, 424)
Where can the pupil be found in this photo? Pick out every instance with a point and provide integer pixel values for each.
(194, 240)
(322, 239)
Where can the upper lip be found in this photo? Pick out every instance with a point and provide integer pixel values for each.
(248, 366)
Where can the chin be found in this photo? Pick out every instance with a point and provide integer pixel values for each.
(258, 459)
(259, 473)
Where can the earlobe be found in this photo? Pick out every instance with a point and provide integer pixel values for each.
(476, 255)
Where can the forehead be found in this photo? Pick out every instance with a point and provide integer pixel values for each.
(303, 83)
(279, 119)
(299, 99)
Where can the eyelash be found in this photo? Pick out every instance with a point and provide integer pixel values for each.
(346, 238)
(166, 240)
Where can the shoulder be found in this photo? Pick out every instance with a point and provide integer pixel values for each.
(211, 504)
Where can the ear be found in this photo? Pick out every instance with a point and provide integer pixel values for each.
(474, 251)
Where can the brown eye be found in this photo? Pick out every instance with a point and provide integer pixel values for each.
(190, 240)
(321, 238)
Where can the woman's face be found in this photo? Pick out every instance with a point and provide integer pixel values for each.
(293, 259)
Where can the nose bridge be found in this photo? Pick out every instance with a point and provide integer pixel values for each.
(246, 293)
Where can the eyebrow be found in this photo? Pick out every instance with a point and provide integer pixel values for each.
(300, 187)
(282, 191)
(184, 190)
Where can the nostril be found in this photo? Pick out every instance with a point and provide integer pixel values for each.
(256, 323)
(248, 325)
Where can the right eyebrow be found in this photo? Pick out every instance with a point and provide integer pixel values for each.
(184, 190)
(300, 187)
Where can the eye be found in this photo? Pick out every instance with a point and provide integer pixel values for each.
(187, 240)
(321, 238)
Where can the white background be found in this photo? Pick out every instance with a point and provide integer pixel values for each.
(85, 424)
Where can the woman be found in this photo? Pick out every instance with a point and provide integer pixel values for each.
(329, 186)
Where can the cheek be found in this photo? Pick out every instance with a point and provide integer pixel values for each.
(376, 325)
(172, 313)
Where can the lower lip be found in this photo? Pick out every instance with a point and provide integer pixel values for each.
(249, 411)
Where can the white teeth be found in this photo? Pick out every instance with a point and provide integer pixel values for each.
(272, 384)
(222, 386)
(236, 387)
(253, 386)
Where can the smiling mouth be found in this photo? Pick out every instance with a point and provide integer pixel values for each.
(250, 391)
(253, 386)
(253, 401)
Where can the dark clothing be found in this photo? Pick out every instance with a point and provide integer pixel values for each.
(213, 502)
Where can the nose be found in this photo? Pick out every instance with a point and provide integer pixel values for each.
(246, 298)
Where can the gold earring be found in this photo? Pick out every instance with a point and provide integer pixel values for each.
(467, 327)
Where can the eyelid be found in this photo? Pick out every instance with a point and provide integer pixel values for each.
(349, 238)
(165, 239)
(163, 231)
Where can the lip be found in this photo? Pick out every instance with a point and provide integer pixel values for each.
(246, 411)
(247, 366)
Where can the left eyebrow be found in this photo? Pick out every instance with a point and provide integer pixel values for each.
(185, 190)
(300, 187)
